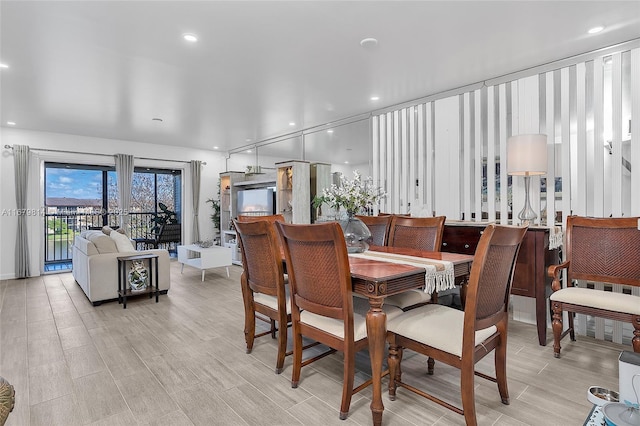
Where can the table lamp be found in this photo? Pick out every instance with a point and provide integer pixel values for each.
(527, 156)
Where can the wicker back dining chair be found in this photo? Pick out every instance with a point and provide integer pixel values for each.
(263, 284)
(321, 299)
(462, 338)
(598, 250)
(379, 228)
(422, 233)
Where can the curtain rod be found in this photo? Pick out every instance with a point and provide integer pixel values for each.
(103, 155)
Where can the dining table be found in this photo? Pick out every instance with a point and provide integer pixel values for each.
(382, 273)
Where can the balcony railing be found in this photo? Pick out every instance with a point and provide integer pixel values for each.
(61, 229)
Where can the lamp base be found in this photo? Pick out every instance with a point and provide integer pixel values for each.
(527, 216)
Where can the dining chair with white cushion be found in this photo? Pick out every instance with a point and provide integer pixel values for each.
(421, 233)
(462, 338)
(322, 303)
(263, 284)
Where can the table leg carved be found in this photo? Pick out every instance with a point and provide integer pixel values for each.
(377, 332)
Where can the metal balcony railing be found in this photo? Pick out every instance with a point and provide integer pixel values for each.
(61, 229)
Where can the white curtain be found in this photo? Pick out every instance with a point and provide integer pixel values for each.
(21, 157)
(124, 173)
(195, 192)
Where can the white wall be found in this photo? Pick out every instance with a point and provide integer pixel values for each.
(85, 150)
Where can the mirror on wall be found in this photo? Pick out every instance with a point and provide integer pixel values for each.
(345, 148)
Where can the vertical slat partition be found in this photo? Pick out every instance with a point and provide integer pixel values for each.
(433, 153)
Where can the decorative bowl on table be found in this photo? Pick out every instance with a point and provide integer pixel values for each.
(600, 396)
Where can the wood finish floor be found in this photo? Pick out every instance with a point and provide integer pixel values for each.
(183, 362)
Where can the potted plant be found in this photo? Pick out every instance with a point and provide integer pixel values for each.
(215, 216)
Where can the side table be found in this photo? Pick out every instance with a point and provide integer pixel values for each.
(124, 289)
(204, 257)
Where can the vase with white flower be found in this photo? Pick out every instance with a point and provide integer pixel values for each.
(349, 198)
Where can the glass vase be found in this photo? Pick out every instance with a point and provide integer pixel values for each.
(356, 234)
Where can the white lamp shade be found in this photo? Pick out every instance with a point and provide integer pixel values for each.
(527, 155)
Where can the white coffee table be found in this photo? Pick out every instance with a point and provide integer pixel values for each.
(204, 258)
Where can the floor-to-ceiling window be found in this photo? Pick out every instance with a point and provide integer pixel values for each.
(81, 196)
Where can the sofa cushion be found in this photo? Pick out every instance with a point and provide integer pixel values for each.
(103, 243)
(123, 243)
(86, 232)
(107, 230)
(85, 246)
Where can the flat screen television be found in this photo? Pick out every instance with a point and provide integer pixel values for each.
(256, 202)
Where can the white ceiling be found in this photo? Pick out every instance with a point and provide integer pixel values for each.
(106, 68)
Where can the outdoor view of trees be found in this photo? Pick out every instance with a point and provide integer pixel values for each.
(143, 191)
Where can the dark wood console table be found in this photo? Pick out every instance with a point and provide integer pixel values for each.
(530, 279)
(124, 288)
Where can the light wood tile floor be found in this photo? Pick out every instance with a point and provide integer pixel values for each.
(182, 361)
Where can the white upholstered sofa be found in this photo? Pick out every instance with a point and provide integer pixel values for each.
(95, 264)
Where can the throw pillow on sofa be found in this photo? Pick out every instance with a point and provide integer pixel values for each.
(103, 243)
(107, 230)
(123, 243)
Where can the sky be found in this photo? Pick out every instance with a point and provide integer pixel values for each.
(72, 183)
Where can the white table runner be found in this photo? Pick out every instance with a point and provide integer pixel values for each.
(439, 273)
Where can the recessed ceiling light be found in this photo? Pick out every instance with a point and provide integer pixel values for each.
(11, 123)
(157, 119)
(215, 147)
(595, 30)
(346, 162)
(190, 37)
(292, 123)
(330, 131)
(4, 66)
(375, 98)
(368, 42)
(248, 140)
(248, 151)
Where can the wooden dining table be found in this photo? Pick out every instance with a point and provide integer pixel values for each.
(377, 279)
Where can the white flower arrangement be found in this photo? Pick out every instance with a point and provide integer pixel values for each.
(354, 196)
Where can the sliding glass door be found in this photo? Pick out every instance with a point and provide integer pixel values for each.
(81, 196)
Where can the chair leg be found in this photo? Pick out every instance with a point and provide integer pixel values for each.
(273, 328)
(249, 318)
(282, 344)
(297, 356)
(431, 365)
(394, 359)
(572, 330)
(500, 360)
(468, 393)
(348, 375)
(556, 325)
